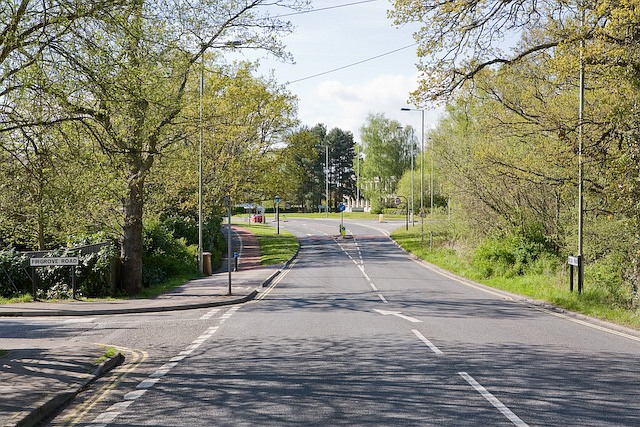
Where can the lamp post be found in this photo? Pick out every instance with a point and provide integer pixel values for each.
(326, 183)
(581, 159)
(422, 175)
(232, 44)
(412, 192)
(200, 139)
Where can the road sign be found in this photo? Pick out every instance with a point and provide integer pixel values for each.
(342, 207)
(51, 261)
(574, 260)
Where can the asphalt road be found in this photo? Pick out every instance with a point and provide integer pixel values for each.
(358, 333)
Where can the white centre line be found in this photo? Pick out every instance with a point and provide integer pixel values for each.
(494, 401)
(424, 339)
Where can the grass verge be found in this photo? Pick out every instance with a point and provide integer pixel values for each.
(3, 353)
(549, 286)
(274, 248)
(21, 298)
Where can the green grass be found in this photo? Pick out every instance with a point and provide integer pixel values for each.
(3, 353)
(274, 248)
(551, 287)
(109, 352)
(322, 215)
(21, 298)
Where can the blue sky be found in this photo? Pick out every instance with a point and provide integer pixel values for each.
(328, 39)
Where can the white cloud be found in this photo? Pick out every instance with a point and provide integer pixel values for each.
(346, 106)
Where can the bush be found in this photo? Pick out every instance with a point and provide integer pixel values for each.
(14, 276)
(513, 255)
(164, 255)
(92, 273)
(185, 227)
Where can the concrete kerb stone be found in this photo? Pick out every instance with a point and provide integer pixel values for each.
(280, 270)
(152, 309)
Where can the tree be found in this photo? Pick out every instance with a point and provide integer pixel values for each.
(341, 155)
(295, 170)
(27, 31)
(127, 77)
(387, 154)
(461, 38)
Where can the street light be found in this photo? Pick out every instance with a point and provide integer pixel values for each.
(422, 175)
(412, 167)
(231, 44)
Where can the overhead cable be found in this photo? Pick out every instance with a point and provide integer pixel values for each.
(353, 64)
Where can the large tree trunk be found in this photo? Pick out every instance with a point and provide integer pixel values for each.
(131, 243)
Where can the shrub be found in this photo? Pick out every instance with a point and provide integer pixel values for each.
(14, 276)
(514, 254)
(92, 273)
(164, 255)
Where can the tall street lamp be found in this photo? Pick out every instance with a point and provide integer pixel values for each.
(412, 167)
(231, 44)
(422, 175)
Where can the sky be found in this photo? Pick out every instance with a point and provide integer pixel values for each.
(330, 38)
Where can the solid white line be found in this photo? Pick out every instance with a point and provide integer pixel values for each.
(424, 339)
(494, 401)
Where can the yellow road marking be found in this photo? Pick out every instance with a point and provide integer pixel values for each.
(277, 280)
(138, 357)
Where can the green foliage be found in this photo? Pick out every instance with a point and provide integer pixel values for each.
(513, 255)
(92, 274)
(164, 255)
(14, 276)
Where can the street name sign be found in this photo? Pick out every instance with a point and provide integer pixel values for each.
(51, 261)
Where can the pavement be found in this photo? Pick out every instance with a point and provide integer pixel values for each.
(38, 377)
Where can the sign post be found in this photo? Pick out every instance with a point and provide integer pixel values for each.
(575, 261)
(278, 212)
(227, 202)
(341, 208)
(52, 262)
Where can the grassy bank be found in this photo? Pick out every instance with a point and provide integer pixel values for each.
(274, 248)
(550, 285)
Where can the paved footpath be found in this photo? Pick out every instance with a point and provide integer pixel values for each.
(37, 378)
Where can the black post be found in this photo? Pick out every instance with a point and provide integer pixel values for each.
(570, 278)
(580, 274)
(229, 249)
(33, 280)
(406, 227)
(73, 282)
